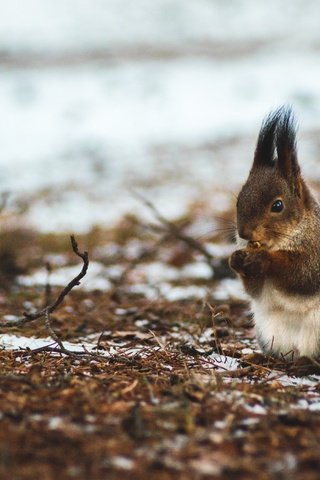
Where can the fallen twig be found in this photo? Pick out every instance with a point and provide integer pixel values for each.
(29, 317)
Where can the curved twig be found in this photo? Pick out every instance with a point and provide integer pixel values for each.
(29, 317)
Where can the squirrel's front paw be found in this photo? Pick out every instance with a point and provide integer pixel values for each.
(237, 259)
(250, 264)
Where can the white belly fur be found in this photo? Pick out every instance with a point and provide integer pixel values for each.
(287, 324)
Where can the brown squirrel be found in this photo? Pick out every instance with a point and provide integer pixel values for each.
(278, 226)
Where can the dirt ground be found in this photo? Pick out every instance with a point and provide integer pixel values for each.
(167, 383)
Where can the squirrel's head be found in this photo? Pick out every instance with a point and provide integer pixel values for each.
(274, 198)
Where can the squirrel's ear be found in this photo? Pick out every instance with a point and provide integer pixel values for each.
(286, 146)
(264, 155)
(276, 146)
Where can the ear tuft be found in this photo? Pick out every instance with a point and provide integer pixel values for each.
(277, 143)
(286, 144)
(265, 149)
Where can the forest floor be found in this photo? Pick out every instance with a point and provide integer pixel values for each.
(161, 374)
(149, 368)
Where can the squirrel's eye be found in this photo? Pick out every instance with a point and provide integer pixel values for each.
(277, 206)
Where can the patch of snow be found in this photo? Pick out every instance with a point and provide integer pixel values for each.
(121, 311)
(206, 467)
(315, 406)
(55, 423)
(149, 292)
(173, 293)
(220, 424)
(18, 342)
(230, 288)
(56, 260)
(247, 351)
(250, 421)
(206, 336)
(157, 272)
(288, 462)
(122, 463)
(310, 381)
(142, 323)
(257, 409)
(220, 250)
(199, 270)
(169, 292)
(224, 362)
(10, 318)
(96, 278)
(310, 402)
(302, 403)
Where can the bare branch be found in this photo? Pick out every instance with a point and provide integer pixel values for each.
(76, 281)
(52, 333)
(176, 231)
(55, 338)
(29, 317)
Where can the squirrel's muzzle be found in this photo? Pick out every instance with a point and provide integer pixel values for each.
(246, 233)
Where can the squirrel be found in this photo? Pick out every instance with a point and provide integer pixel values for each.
(278, 228)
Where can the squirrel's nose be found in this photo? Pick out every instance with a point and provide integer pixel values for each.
(245, 233)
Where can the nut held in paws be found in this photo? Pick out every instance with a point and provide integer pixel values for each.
(254, 244)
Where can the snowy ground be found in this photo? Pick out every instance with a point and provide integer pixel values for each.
(99, 98)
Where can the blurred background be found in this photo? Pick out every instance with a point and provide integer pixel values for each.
(102, 97)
